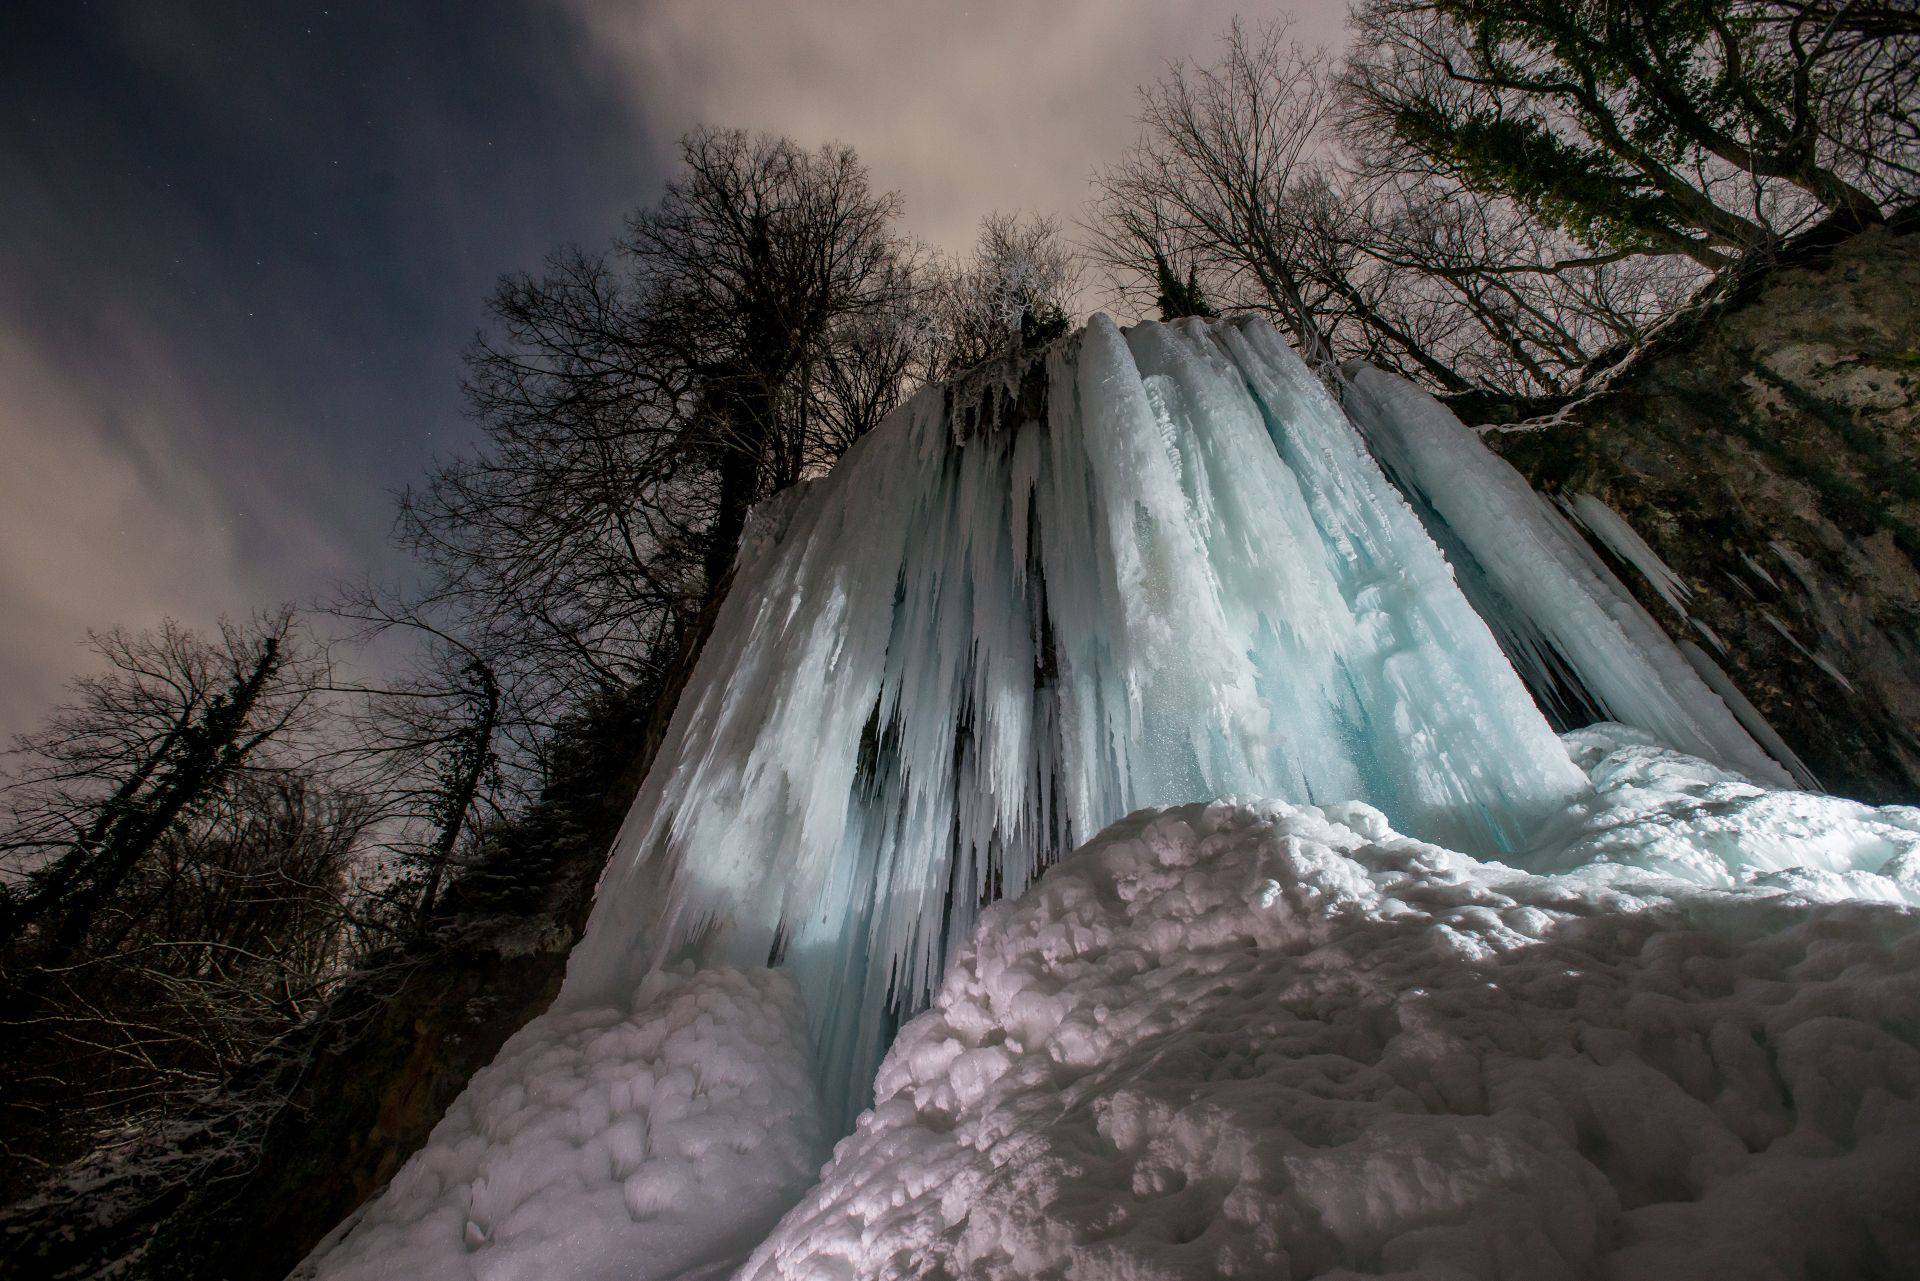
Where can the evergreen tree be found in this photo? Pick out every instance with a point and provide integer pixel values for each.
(1701, 127)
(1179, 298)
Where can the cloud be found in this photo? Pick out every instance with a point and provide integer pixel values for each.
(963, 109)
(240, 253)
(116, 509)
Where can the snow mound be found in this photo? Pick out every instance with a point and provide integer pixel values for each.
(1249, 1038)
(1659, 810)
(661, 1142)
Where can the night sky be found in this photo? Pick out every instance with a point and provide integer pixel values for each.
(242, 245)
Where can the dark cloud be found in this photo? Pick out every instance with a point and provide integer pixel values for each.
(241, 248)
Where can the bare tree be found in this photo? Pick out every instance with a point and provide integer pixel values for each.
(636, 405)
(1506, 302)
(1140, 239)
(871, 358)
(1015, 293)
(575, 539)
(181, 880)
(1866, 92)
(169, 724)
(752, 261)
(1226, 180)
(1249, 189)
(432, 749)
(225, 939)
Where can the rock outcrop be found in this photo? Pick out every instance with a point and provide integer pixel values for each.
(1768, 449)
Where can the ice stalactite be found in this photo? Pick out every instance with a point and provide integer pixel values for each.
(959, 654)
(1566, 620)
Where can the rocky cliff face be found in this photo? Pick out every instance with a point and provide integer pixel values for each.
(1769, 451)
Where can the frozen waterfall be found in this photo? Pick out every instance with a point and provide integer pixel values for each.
(970, 648)
(1562, 615)
(1151, 567)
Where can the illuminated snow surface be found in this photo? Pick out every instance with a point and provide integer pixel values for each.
(1248, 1038)
(608, 1144)
(1271, 1038)
(1255, 1039)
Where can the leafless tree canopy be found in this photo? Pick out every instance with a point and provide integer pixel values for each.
(1242, 184)
(746, 328)
(172, 721)
(1017, 291)
(177, 874)
(1491, 194)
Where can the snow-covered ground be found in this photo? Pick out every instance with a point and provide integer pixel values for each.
(608, 1144)
(1247, 1038)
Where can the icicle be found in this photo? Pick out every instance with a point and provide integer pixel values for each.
(1624, 541)
(1549, 583)
(970, 646)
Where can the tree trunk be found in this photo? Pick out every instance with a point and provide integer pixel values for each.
(476, 745)
(208, 753)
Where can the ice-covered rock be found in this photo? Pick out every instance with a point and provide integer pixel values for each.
(1562, 615)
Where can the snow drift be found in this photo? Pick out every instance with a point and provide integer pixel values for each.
(1256, 1039)
(1253, 1038)
(660, 1140)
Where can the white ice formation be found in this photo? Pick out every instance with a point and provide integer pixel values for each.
(962, 653)
(1563, 616)
(1256, 1039)
(996, 628)
(658, 1139)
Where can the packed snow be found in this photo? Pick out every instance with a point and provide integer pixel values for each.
(659, 1140)
(1253, 1038)
(1463, 998)
(1258, 1039)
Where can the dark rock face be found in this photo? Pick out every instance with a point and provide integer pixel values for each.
(1769, 451)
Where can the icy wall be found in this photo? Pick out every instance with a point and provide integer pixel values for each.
(1562, 616)
(960, 654)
